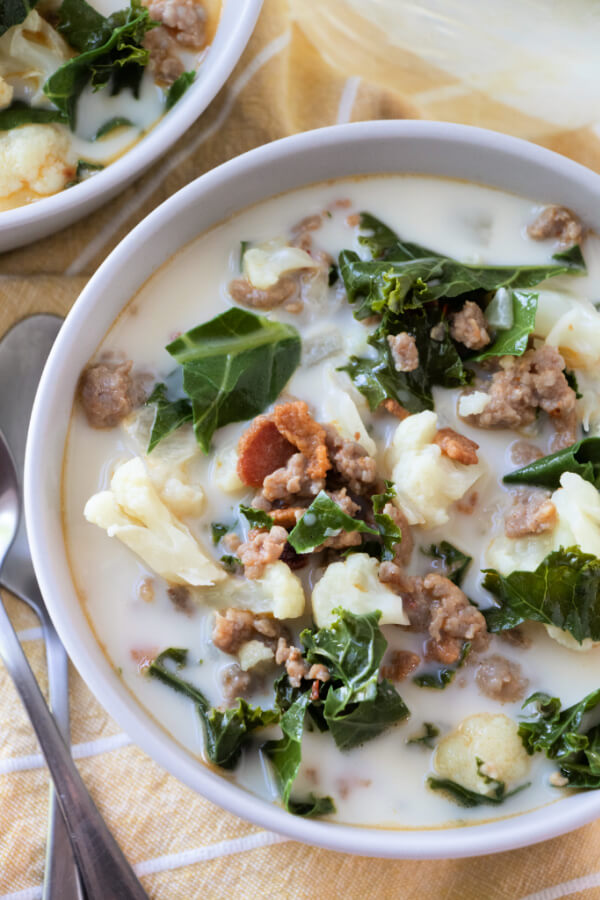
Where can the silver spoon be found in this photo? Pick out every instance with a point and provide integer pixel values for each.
(23, 353)
(104, 871)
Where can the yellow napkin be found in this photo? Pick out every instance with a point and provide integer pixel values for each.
(310, 63)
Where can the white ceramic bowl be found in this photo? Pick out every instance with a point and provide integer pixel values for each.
(36, 220)
(426, 147)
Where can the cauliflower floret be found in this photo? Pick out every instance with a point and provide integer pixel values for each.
(225, 471)
(495, 740)
(35, 158)
(339, 409)
(282, 590)
(354, 584)
(572, 325)
(264, 265)
(253, 653)
(473, 404)
(133, 512)
(6, 93)
(427, 482)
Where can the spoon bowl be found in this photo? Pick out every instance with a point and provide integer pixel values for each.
(10, 504)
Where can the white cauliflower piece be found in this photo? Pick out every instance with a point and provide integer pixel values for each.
(283, 594)
(426, 481)
(572, 324)
(568, 641)
(340, 410)
(253, 653)
(225, 471)
(133, 512)
(264, 265)
(171, 464)
(35, 158)
(6, 93)
(473, 404)
(354, 585)
(495, 740)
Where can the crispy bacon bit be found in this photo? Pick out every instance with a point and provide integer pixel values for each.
(261, 450)
(400, 664)
(393, 407)
(456, 446)
(287, 517)
(353, 220)
(295, 423)
(557, 222)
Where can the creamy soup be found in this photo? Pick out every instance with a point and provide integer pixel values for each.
(81, 83)
(330, 428)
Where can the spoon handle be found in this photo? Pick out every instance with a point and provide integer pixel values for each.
(61, 876)
(105, 873)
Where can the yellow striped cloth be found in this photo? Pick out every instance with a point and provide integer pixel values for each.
(310, 63)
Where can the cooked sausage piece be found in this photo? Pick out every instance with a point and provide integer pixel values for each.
(404, 351)
(532, 513)
(469, 327)
(501, 679)
(107, 393)
(557, 222)
(261, 548)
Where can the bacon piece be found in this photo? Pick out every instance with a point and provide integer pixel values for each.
(261, 450)
(295, 423)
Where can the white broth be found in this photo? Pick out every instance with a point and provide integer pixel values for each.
(382, 782)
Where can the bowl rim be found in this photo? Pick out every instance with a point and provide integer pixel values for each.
(212, 73)
(423, 843)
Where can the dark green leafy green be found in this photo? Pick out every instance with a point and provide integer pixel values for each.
(286, 755)
(233, 367)
(333, 275)
(111, 125)
(440, 678)
(513, 341)
(405, 276)
(110, 53)
(557, 732)
(357, 707)
(572, 255)
(389, 532)
(571, 380)
(564, 591)
(439, 362)
(225, 732)
(582, 458)
(19, 113)
(218, 530)
(178, 89)
(231, 564)
(169, 414)
(323, 519)
(452, 562)
(13, 12)
(256, 518)
(467, 798)
(430, 732)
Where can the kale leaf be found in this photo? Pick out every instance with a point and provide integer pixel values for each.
(404, 276)
(111, 125)
(389, 532)
(178, 89)
(452, 562)
(169, 414)
(233, 367)
(225, 732)
(13, 12)
(467, 798)
(323, 519)
(286, 755)
(439, 362)
(110, 52)
(256, 518)
(430, 732)
(357, 707)
(218, 530)
(513, 341)
(19, 113)
(582, 458)
(564, 591)
(557, 732)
